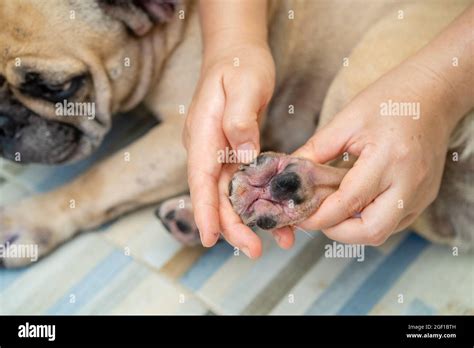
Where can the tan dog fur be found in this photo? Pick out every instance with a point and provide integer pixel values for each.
(164, 70)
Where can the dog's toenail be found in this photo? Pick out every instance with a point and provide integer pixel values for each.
(183, 226)
(266, 222)
(170, 215)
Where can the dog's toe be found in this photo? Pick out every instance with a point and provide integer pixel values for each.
(176, 215)
(21, 245)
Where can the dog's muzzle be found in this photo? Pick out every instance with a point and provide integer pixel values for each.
(32, 139)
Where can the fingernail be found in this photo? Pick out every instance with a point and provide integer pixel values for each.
(246, 152)
(246, 251)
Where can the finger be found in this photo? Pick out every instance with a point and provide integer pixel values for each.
(240, 123)
(207, 103)
(376, 223)
(202, 179)
(361, 184)
(203, 166)
(327, 143)
(233, 230)
(285, 237)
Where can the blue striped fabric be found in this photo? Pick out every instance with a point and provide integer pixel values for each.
(346, 283)
(386, 274)
(206, 265)
(418, 307)
(8, 277)
(93, 282)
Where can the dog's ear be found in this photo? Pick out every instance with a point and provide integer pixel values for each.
(139, 15)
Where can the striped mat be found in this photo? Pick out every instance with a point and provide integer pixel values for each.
(133, 266)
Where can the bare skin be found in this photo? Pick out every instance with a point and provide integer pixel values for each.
(399, 159)
(232, 95)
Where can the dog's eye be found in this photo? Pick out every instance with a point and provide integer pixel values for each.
(36, 87)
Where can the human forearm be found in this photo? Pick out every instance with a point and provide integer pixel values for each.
(448, 62)
(242, 21)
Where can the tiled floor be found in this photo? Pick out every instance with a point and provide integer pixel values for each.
(134, 266)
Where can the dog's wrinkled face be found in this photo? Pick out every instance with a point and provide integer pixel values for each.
(279, 190)
(26, 137)
(65, 67)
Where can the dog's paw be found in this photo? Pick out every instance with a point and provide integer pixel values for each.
(176, 214)
(27, 232)
(278, 190)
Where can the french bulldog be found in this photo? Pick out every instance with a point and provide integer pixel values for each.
(116, 54)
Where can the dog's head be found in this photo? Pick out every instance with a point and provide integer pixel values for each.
(67, 65)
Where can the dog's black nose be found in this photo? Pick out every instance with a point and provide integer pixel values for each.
(285, 185)
(266, 222)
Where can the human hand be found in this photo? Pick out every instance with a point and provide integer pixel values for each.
(236, 85)
(400, 159)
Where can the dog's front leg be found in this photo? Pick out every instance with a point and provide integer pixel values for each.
(149, 170)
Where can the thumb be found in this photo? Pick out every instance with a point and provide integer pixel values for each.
(326, 144)
(240, 123)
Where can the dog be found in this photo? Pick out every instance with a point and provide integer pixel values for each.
(117, 54)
